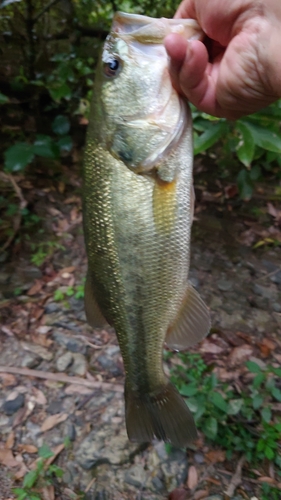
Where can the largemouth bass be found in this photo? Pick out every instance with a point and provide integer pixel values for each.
(138, 210)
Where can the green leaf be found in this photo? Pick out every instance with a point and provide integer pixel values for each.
(253, 367)
(258, 380)
(269, 453)
(276, 371)
(18, 156)
(246, 147)
(61, 125)
(3, 98)
(65, 143)
(245, 185)
(45, 451)
(266, 414)
(265, 138)
(30, 478)
(210, 427)
(217, 399)
(209, 137)
(260, 445)
(234, 406)
(46, 147)
(189, 390)
(276, 393)
(61, 91)
(21, 494)
(257, 401)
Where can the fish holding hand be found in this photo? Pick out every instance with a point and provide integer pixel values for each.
(137, 211)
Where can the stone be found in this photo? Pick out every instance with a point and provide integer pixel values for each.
(55, 407)
(64, 361)
(13, 405)
(276, 307)
(52, 307)
(135, 476)
(266, 292)
(224, 285)
(104, 445)
(30, 360)
(79, 365)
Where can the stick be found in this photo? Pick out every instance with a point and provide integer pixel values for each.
(60, 377)
(236, 479)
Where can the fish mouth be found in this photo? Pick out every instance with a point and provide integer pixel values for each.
(152, 30)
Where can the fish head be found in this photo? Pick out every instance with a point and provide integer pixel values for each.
(140, 113)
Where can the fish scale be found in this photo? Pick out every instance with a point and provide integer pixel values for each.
(137, 223)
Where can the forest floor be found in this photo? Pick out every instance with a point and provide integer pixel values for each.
(61, 383)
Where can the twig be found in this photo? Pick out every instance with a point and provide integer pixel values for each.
(23, 203)
(45, 9)
(60, 377)
(236, 479)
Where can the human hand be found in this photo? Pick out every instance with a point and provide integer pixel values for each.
(237, 70)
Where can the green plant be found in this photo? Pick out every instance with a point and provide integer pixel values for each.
(44, 250)
(72, 291)
(235, 421)
(253, 142)
(38, 478)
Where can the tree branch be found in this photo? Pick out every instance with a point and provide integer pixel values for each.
(45, 9)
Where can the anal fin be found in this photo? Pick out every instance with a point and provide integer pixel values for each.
(94, 315)
(192, 323)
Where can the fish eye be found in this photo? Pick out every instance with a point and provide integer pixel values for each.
(112, 67)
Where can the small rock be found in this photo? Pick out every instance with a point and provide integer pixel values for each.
(214, 497)
(224, 285)
(72, 344)
(3, 421)
(54, 408)
(276, 278)
(276, 307)
(199, 458)
(135, 476)
(13, 405)
(70, 431)
(32, 273)
(40, 351)
(79, 365)
(64, 361)
(267, 293)
(30, 360)
(52, 307)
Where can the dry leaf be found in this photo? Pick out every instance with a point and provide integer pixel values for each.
(53, 420)
(74, 388)
(56, 451)
(192, 479)
(48, 492)
(21, 472)
(27, 448)
(10, 441)
(200, 494)
(178, 494)
(23, 413)
(215, 456)
(8, 379)
(210, 347)
(240, 354)
(266, 479)
(37, 287)
(7, 458)
(39, 396)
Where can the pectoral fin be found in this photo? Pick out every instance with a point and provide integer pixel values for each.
(93, 313)
(192, 323)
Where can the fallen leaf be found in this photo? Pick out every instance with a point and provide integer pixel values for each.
(266, 346)
(48, 492)
(39, 396)
(192, 479)
(74, 388)
(240, 354)
(266, 479)
(215, 456)
(10, 441)
(53, 420)
(37, 287)
(200, 494)
(7, 458)
(8, 379)
(28, 448)
(210, 347)
(178, 494)
(56, 451)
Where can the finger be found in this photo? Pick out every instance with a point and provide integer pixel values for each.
(186, 10)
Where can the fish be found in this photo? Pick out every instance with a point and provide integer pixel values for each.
(137, 214)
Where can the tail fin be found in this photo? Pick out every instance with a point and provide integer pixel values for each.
(162, 415)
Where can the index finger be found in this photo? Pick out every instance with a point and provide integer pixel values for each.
(186, 10)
